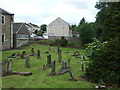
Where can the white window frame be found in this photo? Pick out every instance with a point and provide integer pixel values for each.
(3, 35)
(3, 19)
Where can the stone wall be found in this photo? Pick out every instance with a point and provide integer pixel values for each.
(7, 31)
(21, 42)
(72, 39)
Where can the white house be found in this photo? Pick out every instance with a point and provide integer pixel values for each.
(59, 28)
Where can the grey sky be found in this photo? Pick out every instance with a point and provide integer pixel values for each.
(45, 11)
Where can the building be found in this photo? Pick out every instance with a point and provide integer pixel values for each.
(20, 34)
(7, 29)
(58, 28)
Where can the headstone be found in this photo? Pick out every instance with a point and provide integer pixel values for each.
(12, 56)
(64, 68)
(49, 60)
(53, 68)
(82, 66)
(68, 63)
(59, 56)
(44, 67)
(66, 51)
(23, 55)
(27, 65)
(38, 54)
(4, 67)
(33, 52)
(71, 75)
(9, 66)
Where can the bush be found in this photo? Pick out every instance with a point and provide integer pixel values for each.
(104, 62)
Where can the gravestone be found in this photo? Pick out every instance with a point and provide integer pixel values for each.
(27, 65)
(64, 68)
(59, 56)
(33, 52)
(66, 51)
(49, 61)
(38, 54)
(4, 68)
(53, 73)
(82, 66)
(68, 63)
(23, 55)
(44, 67)
(12, 56)
(9, 66)
(71, 75)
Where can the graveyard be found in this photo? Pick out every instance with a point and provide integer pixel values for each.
(43, 66)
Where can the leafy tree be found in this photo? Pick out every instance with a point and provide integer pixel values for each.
(82, 21)
(104, 61)
(73, 27)
(43, 27)
(86, 33)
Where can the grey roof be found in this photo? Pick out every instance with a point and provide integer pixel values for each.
(5, 12)
(16, 27)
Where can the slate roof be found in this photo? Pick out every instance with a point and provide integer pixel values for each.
(16, 27)
(5, 12)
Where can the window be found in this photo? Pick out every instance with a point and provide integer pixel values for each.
(3, 38)
(3, 19)
(22, 36)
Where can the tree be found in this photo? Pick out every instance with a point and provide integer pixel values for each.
(43, 27)
(86, 33)
(73, 27)
(82, 21)
(108, 18)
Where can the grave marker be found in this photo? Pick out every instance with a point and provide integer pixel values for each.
(27, 65)
(59, 56)
(9, 66)
(53, 68)
(23, 55)
(49, 60)
(38, 54)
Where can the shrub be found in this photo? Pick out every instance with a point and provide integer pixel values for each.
(104, 62)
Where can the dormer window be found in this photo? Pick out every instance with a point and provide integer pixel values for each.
(3, 19)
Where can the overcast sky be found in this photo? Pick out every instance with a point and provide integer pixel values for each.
(45, 11)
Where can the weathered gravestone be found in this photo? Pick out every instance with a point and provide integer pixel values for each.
(23, 55)
(68, 63)
(27, 65)
(9, 66)
(12, 56)
(76, 53)
(49, 61)
(59, 56)
(38, 54)
(4, 68)
(33, 52)
(71, 75)
(67, 51)
(64, 68)
(53, 72)
(82, 66)
(44, 67)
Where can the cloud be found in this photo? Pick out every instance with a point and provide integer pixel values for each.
(45, 11)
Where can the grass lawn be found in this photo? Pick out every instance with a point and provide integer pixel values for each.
(40, 78)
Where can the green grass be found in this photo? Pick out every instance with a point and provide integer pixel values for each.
(40, 78)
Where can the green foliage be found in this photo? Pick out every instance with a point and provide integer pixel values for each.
(104, 62)
(41, 78)
(93, 47)
(43, 27)
(82, 21)
(86, 33)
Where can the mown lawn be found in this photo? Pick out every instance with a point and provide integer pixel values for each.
(40, 78)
